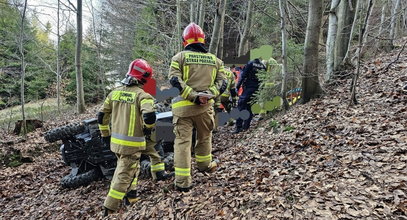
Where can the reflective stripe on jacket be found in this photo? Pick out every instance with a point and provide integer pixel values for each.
(123, 109)
(196, 72)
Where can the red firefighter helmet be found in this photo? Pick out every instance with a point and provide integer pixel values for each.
(193, 34)
(141, 71)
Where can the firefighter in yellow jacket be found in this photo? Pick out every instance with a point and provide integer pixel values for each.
(228, 98)
(199, 76)
(130, 112)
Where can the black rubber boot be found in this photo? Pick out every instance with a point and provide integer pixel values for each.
(162, 175)
(130, 198)
(107, 211)
(182, 189)
(237, 130)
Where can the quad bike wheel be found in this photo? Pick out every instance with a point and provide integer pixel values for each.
(83, 179)
(63, 132)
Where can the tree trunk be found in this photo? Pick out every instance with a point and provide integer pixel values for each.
(21, 47)
(221, 39)
(196, 12)
(330, 42)
(310, 80)
(384, 44)
(179, 34)
(345, 20)
(98, 45)
(192, 11)
(282, 5)
(201, 13)
(353, 100)
(219, 51)
(80, 99)
(404, 21)
(368, 22)
(248, 23)
(365, 36)
(219, 17)
(58, 67)
(358, 12)
(396, 4)
(382, 19)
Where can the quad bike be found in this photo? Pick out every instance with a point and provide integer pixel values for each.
(90, 159)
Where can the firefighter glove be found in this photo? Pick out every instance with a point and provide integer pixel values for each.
(175, 83)
(229, 105)
(147, 132)
(233, 92)
(106, 141)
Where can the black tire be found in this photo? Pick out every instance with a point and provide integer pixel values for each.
(169, 161)
(64, 132)
(83, 179)
(160, 107)
(159, 148)
(145, 171)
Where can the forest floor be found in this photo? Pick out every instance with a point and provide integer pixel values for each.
(320, 160)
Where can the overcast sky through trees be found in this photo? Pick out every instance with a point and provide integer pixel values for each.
(46, 11)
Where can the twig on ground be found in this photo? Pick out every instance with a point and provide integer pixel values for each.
(395, 60)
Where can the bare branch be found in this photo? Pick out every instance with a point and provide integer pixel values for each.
(69, 7)
(302, 17)
(395, 60)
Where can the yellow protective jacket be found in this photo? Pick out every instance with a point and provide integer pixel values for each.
(230, 83)
(122, 119)
(196, 72)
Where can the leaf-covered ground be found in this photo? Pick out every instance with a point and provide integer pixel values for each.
(321, 160)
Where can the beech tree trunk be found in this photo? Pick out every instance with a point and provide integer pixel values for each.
(192, 11)
(201, 13)
(179, 34)
(382, 19)
(393, 22)
(221, 39)
(330, 42)
(22, 86)
(358, 12)
(310, 81)
(345, 21)
(80, 94)
(248, 23)
(219, 51)
(404, 21)
(282, 5)
(219, 17)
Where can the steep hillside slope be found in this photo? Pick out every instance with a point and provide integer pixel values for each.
(320, 160)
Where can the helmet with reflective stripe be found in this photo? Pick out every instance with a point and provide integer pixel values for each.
(140, 70)
(193, 34)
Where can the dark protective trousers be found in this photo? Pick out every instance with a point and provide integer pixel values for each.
(243, 104)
